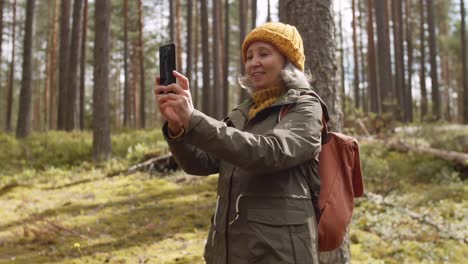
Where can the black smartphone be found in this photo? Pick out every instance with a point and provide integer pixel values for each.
(167, 63)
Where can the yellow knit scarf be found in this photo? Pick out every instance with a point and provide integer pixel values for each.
(264, 98)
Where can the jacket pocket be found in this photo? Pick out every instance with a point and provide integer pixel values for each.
(274, 236)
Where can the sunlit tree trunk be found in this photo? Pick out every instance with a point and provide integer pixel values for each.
(2, 5)
(101, 121)
(364, 90)
(24, 117)
(53, 103)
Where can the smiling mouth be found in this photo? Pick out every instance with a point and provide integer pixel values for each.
(257, 73)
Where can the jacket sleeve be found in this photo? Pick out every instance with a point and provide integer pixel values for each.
(293, 141)
(191, 159)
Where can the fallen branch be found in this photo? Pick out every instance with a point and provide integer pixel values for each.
(457, 157)
(162, 163)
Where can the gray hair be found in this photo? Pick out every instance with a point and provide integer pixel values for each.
(292, 77)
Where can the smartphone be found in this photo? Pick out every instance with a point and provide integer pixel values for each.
(167, 63)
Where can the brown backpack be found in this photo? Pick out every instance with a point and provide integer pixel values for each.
(340, 182)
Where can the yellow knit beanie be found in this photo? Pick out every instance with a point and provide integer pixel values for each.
(284, 37)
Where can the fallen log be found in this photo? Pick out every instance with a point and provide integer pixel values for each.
(162, 164)
(457, 157)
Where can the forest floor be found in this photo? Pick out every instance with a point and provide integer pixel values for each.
(415, 211)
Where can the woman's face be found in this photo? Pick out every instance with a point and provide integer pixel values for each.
(263, 65)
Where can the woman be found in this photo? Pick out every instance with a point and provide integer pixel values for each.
(267, 165)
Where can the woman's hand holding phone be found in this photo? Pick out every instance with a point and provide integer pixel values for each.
(175, 102)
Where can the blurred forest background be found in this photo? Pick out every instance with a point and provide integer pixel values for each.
(77, 113)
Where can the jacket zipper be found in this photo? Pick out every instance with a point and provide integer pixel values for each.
(226, 233)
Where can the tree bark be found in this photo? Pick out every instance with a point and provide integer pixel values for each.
(73, 65)
(11, 72)
(83, 65)
(253, 10)
(314, 20)
(268, 12)
(101, 122)
(207, 95)
(24, 117)
(364, 90)
(435, 93)
(387, 95)
(2, 5)
(126, 114)
(52, 77)
(464, 73)
(172, 36)
(399, 57)
(355, 56)
(178, 16)
(342, 66)
(243, 94)
(227, 31)
(371, 66)
(409, 46)
(217, 61)
(64, 56)
(195, 91)
(188, 67)
(142, 65)
(422, 76)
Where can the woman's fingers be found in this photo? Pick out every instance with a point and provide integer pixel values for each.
(183, 81)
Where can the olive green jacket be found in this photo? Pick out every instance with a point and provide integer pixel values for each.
(267, 169)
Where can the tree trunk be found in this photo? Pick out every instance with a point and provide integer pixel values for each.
(207, 95)
(399, 57)
(178, 35)
(126, 114)
(188, 67)
(195, 90)
(355, 56)
(172, 36)
(409, 46)
(364, 90)
(73, 65)
(268, 12)
(371, 66)
(135, 75)
(464, 73)
(253, 10)
(64, 56)
(227, 31)
(52, 76)
(387, 95)
(24, 117)
(101, 124)
(142, 64)
(217, 61)
(422, 77)
(83, 64)
(435, 94)
(11, 72)
(2, 4)
(314, 20)
(243, 94)
(342, 67)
